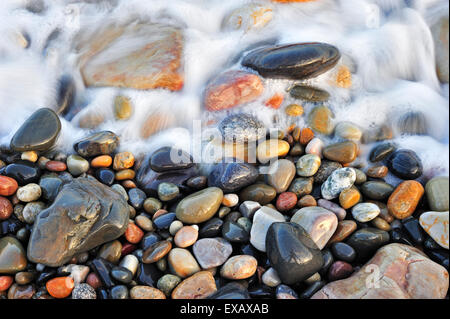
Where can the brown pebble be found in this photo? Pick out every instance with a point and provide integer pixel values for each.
(129, 184)
(6, 208)
(377, 171)
(21, 292)
(197, 286)
(146, 292)
(307, 201)
(156, 251)
(55, 166)
(344, 229)
(380, 223)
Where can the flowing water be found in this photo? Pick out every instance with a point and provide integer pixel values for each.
(387, 45)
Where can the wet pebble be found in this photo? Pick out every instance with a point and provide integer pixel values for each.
(405, 164)
(307, 165)
(365, 212)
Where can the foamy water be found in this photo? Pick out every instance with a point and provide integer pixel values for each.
(386, 44)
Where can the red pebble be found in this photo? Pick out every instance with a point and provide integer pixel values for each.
(5, 282)
(133, 233)
(93, 281)
(339, 270)
(8, 186)
(56, 166)
(286, 201)
(127, 248)
(6, 208)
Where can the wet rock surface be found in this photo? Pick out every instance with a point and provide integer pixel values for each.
(295, 61)
(84, 215)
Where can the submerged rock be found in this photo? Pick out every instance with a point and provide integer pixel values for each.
(84, 215)
(232, 88)
(153, 61)
(104, 142)
(293, 61)
(309, 93)
(241, 128)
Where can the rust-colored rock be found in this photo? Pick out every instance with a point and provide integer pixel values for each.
(349, 197)
(197, 286)
(6, 208)
(395, 272)
(286, 201)
(60, 287)
(153, 61)
(133, 233)
(5, 282)
(123, 160)
(8, 186)
(306, 135)
(232, 88)
(403, 201)
(275, 101)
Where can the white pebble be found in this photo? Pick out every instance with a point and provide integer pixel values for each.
(29, 193)
(175, 226)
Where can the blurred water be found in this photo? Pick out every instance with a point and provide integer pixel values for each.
(387, 44)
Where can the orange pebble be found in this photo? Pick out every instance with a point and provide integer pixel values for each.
(5, 282)
(306, 135)
(133, 233)
(275, 101)
(8, 186)
(102, 161)
(56, 166)
(129, 184)
(403, 201)
(125, 174)
(123, 160)
(60, 287)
